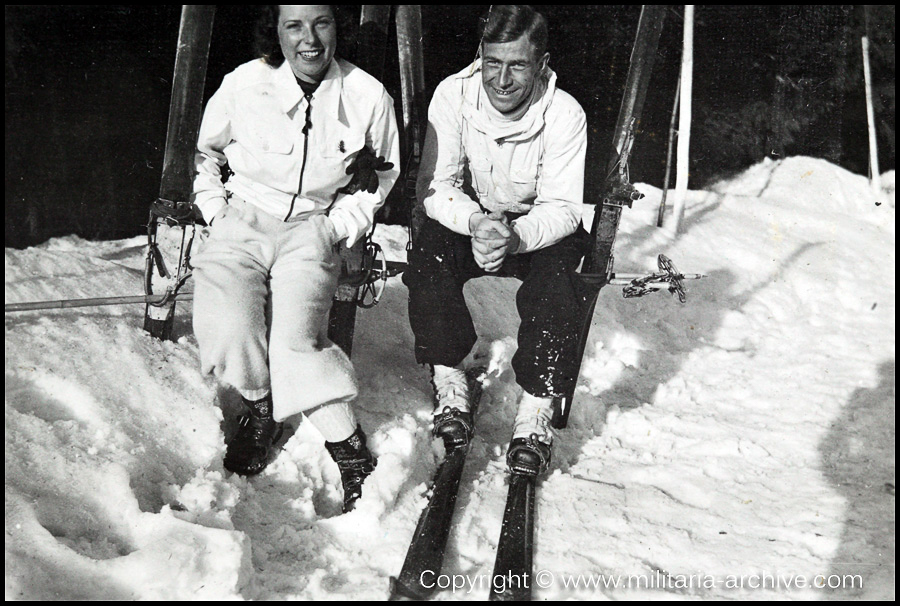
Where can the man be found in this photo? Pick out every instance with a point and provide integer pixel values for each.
(501, 181)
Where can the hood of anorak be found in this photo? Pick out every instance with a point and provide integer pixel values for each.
(478, 111)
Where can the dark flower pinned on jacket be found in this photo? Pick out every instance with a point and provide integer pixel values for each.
(364, 170)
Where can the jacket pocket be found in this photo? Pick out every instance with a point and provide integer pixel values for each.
(264, 132)
(480, 168)
(331, 153)
(260, 124)
(259, 139)
(524, 186)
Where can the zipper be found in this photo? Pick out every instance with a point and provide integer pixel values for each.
(306, 127)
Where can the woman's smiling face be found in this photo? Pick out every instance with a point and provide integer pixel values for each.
(308, 37)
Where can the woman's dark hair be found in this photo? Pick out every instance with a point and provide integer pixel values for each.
(265, 35)
(508, 22)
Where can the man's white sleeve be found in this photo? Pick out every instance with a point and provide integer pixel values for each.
(441, 169)
(560, 189)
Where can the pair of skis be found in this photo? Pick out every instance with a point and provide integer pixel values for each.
(515, 549)
(425, 556)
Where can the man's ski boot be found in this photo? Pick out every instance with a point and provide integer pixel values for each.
(528, 456)
(247, 453)
(453, 421)
(355, 462)
(530, 449)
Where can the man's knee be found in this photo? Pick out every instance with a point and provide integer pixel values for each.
(434, 239)
(563, 257)
(434, 254)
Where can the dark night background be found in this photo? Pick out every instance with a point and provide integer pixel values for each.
(87, 95)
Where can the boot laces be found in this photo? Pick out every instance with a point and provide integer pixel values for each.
(255, 430)
(353, 473)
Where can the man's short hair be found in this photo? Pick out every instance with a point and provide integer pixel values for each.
(508, 22)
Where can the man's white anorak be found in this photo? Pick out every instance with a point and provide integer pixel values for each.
(476, 159)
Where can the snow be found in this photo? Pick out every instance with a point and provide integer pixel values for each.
(743, 439)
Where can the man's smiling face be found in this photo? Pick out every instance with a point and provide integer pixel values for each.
(509, 71)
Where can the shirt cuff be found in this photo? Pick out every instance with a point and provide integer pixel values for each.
(341, 230)
(210, 208)
(522, 246)
(451, 208)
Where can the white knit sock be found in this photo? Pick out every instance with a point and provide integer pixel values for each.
(443, 371)
(534, 417)
(254, 395)
(336, 422)
(451, 389)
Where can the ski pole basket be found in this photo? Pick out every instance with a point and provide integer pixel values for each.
(365, 268)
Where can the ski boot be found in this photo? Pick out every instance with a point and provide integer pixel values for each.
(247, 453)
(528, 456)
(453, 421)
(530, 449)
(355, 462)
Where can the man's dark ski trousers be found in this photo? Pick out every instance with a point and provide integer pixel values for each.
(551, 302)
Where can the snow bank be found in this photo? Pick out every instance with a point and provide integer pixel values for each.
(748, 432)
(825, 187)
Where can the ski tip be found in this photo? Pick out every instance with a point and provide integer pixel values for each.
(510, 596)
(399, 592)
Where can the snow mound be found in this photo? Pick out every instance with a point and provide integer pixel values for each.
(812, 184)
(889, 187)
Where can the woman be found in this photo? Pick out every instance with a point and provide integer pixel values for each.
(291, 127)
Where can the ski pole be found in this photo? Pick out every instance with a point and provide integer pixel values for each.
(97, 302)
(625, 279)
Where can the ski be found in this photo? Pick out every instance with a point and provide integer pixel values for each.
(512, 575)
(426, 550)
(511, 579)
(412, 83)
(170, 230)
(618, 192)
(371, 47)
